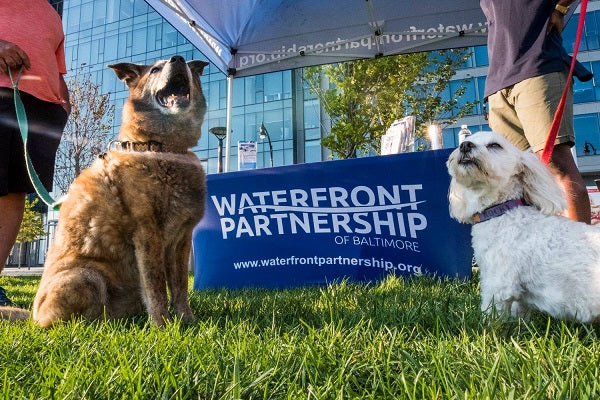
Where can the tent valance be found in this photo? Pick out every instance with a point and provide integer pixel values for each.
(256, 36)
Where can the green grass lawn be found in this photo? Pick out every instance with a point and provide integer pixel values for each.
(398, 339)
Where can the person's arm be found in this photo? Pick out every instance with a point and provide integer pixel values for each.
(64, 94)
(557, 19)
(12, 56)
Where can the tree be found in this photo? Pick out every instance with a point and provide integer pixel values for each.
(32, 227)
(364, 97)
(87, 131)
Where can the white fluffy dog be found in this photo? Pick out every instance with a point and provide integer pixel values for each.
(529, 256)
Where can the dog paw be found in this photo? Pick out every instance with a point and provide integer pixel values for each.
(160, 320)
(186, 316)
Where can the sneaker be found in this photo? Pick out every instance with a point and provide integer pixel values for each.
(4, 300)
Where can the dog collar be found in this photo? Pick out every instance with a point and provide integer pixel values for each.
(150, 145)
(498, 210)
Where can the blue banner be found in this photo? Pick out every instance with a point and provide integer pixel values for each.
(314, 223)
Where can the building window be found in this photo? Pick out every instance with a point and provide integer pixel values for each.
(312, 118)
(469, 95)
(591, 30)
(481, 56)
(273, 86)
(583, 92)
(590, 38)
(587, 130)
(450, 135)
(312, 150)
(254, 89)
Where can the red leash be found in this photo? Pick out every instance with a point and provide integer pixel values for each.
(547, 153)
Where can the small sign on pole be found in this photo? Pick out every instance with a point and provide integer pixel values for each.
(246, 155)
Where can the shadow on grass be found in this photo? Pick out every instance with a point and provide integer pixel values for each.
(424, 302)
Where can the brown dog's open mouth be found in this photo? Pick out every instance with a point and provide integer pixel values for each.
(176, 93)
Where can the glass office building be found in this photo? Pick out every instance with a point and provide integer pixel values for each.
(101, 32)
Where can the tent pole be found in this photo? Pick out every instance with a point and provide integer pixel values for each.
(229, 132)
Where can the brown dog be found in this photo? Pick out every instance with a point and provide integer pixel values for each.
(124, 231)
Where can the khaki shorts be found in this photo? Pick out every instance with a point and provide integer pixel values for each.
(524, 111)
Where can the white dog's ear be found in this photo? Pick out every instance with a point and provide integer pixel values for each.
(458, 203)
(540, 187)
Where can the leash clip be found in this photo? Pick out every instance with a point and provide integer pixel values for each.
(15, 83)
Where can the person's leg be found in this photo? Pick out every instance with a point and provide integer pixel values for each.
(564, 167)
(46, 122)
(12, 200)
(12, 206)
(537, 102)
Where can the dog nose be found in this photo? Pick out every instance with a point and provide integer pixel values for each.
(177, 59)
(466, 146)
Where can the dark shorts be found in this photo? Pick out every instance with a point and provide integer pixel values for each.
(46, 123)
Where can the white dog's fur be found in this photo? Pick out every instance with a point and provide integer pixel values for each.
(530, 257)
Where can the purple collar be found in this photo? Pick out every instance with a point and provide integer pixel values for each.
(498, 210)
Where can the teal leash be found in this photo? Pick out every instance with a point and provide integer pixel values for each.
(24, 128)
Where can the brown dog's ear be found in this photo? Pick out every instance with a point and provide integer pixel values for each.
(197, 66)
(128, 72)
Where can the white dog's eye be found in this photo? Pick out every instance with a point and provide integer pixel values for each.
(154, 70)
(493, 145)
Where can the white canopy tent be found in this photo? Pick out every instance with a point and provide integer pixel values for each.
(248, 37)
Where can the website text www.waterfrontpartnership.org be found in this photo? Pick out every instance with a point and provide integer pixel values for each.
(318, 261)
